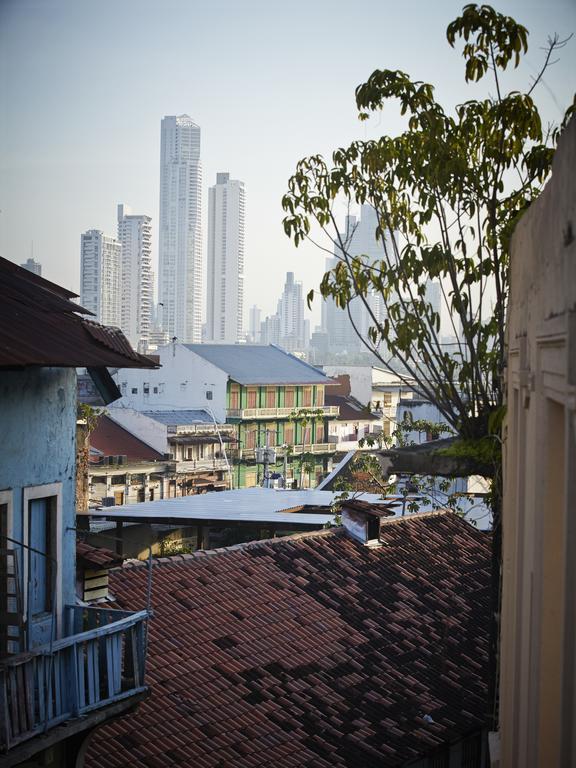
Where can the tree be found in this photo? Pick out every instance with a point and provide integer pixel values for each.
(447, 193)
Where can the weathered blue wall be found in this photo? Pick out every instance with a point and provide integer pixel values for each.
(38, 446)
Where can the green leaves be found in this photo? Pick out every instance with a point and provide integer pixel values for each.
(447, 193)
(495, 39)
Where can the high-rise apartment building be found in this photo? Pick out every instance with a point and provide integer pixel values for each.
(225, 300)
(291, 315)
(33, 266)
(180, 236)
(100, 276)
(345, 329)
(135, 237)
(254, 321)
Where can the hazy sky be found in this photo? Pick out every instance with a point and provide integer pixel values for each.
(85, 83)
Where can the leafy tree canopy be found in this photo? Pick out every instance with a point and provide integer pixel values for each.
(447, 193)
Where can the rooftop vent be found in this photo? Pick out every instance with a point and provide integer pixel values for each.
(362, 520)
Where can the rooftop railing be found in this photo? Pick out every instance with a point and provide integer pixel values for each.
(100, 662)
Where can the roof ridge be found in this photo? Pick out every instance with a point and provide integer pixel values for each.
(202, 553)
(420, 516)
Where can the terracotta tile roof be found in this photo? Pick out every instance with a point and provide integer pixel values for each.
(113, 440)
(40, 325)
(310, 651)
(96, 556)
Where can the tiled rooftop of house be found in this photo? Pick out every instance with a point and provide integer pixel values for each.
(111, 439)
(311, 651)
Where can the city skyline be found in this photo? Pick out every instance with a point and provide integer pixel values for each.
(260, 104)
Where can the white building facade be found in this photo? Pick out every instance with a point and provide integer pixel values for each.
(180, 236)
(135, 237)
(225, 300)
(101, 276)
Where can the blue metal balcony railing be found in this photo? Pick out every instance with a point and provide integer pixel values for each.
(100, 662)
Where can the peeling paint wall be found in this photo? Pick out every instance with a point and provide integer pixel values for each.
(38, 448)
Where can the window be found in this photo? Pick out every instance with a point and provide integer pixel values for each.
(43, 536)
(208, 394)
(289, 397)
(307, 397)
(319, 433)
(134, 390)
(252, 398)
(41, 542)
(155, 390)
(234, 397)
(270, 397)
(146, 388)
(289, 434)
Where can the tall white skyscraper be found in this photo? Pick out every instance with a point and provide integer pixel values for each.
(100, 276)
(225, 301)
(135, 237)
(180, 237)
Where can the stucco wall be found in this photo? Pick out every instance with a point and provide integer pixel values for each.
(182, 382)
(38, 447)
(538, 640)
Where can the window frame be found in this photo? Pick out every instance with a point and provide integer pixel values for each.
(32, 493)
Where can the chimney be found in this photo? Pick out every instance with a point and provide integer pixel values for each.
(362, 520)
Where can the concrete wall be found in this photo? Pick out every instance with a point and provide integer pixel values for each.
(538, 642)
(183, 381)
(38, 448)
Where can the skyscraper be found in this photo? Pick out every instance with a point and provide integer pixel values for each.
(134, 235)
(33, 266)
(100, 276)
(346, 328)
(254, 321)
(180, 237)
(291, 316)
(225, 301)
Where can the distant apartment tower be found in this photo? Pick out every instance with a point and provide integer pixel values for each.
(225, 301)
(254, 322)
(292, 327)
(33, 266)
(180, 235)
(345, 329)
(135, 237)
(100, 276)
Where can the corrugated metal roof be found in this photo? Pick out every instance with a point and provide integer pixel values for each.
(180, 418)
(40, 326)
(259, 364)
(241, 505)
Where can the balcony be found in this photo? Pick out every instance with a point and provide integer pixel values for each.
(296, 450)
(247, 414)
(100, 664)
(202, 465)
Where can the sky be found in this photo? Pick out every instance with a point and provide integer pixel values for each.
(84, 85)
